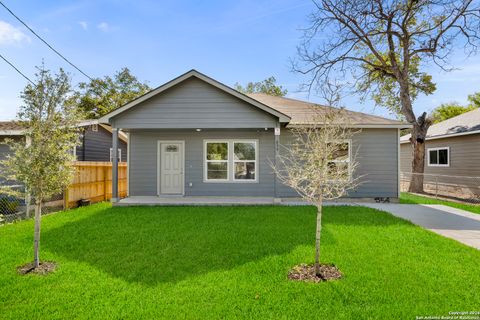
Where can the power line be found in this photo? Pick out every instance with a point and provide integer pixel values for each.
(16, 69)
(45, 42)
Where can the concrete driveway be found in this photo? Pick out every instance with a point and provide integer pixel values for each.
(457, 224)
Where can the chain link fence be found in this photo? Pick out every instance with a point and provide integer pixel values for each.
(15, 205)
(459, 188)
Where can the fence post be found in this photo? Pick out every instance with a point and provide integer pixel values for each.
(105, 172)
(436, 187)
(65, 199)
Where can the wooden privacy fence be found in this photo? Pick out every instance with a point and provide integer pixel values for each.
(93, 181)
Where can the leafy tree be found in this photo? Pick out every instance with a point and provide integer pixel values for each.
(100, 96)
(385, 46)
(43, 163)
(267, 86)
(474, 100)
(449, 110)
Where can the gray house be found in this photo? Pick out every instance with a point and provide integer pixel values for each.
(95, 141)
(194, 136)
(452, 147)
(452, 156)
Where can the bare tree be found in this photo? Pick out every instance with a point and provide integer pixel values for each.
(383, 46)
(319, 163)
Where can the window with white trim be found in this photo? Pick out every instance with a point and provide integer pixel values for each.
(216, 161)
(230, 160)
(438, 157)
(341, 157)
(119, 155)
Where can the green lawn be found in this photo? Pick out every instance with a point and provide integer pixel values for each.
(406, 197)
(232, 262)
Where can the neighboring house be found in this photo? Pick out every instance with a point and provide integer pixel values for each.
(195, 136)
(452, 156)
(12, 131)
(96, 143)
(452, 147)
(95, 139)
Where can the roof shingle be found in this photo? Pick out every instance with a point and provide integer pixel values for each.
(464, 123)
(301, 112)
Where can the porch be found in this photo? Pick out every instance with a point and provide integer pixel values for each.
(225, 201)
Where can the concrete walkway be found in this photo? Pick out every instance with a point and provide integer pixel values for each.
(457, 224)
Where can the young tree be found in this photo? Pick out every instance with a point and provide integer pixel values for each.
(384, 46)
(100, 96)
(268, 86)
(449, 110)
(43, 164)
(319, 163)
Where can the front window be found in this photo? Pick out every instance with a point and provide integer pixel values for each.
(339, 164)
(231, 160)
(439, 157)
(217, 160)
(244, 160)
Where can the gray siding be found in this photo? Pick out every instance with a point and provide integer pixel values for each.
(143, 163)
(4, 151)
(464, 156)
(96, 145)
(193, 104)
(377, 155)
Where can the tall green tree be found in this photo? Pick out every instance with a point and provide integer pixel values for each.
(385, 47)
(267, 86)
(102, 95)
(474, 100)
(449, 110)
(49, 121)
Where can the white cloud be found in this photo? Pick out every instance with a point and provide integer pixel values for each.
(103, 26)
(11, 35)
(83, 24)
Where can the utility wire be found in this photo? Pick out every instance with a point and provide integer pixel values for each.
(45, 42)
(16, 69)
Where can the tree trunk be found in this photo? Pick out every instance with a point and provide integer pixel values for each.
(36, 234)
(419, 133)
(317, 239)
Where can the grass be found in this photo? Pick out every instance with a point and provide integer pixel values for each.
(410, 198)
(232, 262)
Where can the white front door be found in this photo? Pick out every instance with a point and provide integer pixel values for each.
(171, 167)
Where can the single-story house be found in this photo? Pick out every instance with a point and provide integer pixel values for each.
(452, 151)
(95, 141)
(194, 136)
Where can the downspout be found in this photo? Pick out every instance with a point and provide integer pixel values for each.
(276, 132)
(83, 144)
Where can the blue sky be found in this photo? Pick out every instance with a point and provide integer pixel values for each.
(231, 41)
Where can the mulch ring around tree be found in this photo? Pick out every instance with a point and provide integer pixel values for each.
(304, 272)
(44, 268)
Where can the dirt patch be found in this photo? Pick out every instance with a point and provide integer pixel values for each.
(304, 272)
(44, 268)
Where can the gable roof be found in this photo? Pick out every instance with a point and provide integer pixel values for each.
(194, 73)
(13, 128)
(301, 112)
(10, 128)
(463, 124)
